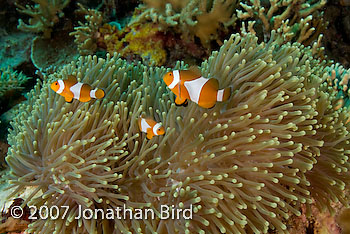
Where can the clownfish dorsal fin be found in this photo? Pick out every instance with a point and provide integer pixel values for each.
(195, 70)
(72, 79)
(214, 83)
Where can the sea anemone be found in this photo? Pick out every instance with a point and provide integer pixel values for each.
(243, 166)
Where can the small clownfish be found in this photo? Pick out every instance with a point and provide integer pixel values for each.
(151, 127)
(71, 88)
(190, 84)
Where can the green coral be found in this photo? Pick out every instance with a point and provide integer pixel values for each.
(203, 19)
(86, 34)
(11, 80)
(45, 14)
(244, 166)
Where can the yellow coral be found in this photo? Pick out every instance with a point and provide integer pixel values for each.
(136, 40)
(210, 22)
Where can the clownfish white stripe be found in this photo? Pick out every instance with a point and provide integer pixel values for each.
(176, 79)
(155, 127)
(76, 90)
(194, 88)
(220, 95)
(144, 125)
(61, 85)
(93, 93)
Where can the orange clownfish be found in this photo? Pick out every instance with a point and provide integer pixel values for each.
(189, 84)
(71, 88)
(151, 127)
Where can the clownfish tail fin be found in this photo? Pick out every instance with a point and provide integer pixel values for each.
(224, 94)
(99, 93)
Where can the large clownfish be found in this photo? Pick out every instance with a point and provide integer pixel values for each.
(189, 84)
(151, 127)
(71, 88)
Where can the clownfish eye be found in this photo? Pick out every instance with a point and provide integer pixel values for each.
(158, 130)
(170, 74)
(56, 83)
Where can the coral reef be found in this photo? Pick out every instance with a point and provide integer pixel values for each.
(45, 14)
(295, 20)
(10, 224)
(135, 41)
(13, 225)
(86, 34)
(203, 19)
(244, 166)
(319, 222)
(144, 41)
(10, 80)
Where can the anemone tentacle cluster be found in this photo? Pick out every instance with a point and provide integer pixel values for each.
(243, 166)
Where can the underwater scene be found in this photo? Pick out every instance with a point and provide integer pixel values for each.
(174, 116)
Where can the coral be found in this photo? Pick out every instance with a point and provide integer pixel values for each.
(244, 166)
(48, 55)
(45, 14)
(203, 19)
(319, 222)
(86, 34)
(10, 80)
(294, 20)
(13, 225)
(210, 22)
(137, 40)
(140, 40)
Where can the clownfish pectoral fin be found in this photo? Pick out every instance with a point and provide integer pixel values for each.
(68, 99)
(149, 134)
(180, 101)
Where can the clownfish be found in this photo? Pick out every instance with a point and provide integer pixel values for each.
(151, 127)
(190, 84)
(71, 88)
